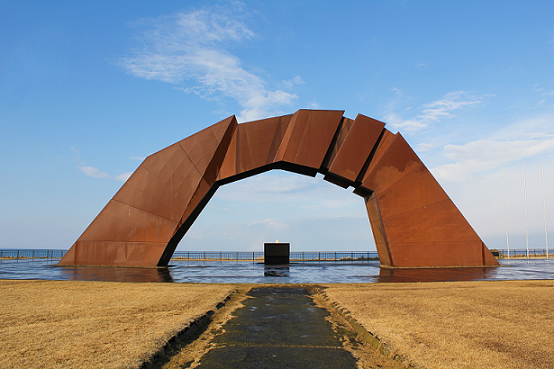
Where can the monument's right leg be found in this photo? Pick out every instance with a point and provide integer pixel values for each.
(414, 222)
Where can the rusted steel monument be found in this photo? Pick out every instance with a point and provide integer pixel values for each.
(414, 222)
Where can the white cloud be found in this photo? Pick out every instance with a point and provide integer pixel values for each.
(432, 112)
(424, 147)
(123, 176)
(520, 141)
(270, 223)
(297, 80)
(97, 173)
(93, 172)
(192, 46)
(313, 105)
(271, 185)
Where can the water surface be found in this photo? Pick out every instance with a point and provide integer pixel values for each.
(254, 272)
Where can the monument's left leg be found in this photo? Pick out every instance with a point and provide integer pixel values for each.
(143, 222)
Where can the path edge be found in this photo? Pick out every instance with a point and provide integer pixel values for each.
(372, 339)
(173, 344)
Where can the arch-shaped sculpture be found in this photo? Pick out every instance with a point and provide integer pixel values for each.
(414, 222)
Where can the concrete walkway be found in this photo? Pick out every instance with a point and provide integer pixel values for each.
(279, 327)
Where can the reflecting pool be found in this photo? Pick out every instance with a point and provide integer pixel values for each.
(255, 272)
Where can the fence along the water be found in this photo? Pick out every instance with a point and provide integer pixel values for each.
(253, 255)
(294, 256)
(212, 255)
(521, 253)
(32, 254)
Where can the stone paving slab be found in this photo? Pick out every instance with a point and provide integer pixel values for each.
(278, 327)
(272, 357)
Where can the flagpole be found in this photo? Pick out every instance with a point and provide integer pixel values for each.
(526, 221)
(505, 210)
(544, 200)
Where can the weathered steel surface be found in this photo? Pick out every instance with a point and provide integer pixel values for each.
(158, 202)
(354, 151)
(414, 222)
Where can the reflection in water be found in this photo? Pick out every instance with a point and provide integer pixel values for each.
(276, 271)
(436, 274)
(114, 274)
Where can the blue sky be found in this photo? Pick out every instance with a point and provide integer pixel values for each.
(89, 89)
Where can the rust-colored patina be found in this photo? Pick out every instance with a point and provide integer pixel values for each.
(414, 222)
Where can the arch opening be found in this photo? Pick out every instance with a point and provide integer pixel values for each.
(311, 214)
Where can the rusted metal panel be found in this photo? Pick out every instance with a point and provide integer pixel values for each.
(308, 138)
(343, 132)
(201, 147)
(318, 135)
(416, 189)
(148, 192)
(229, 165)
(148, 210)
(292, 137)
(378, 230)
(414, 212)
(355, 151)
(395, 162)
(113, 253)
(123, 222)
(253, 146)
(382, 146)
(436, 254)
(439, 221)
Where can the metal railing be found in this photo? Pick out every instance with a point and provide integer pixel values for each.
(212, 255)
(32, 254)
(259, 255)
(294, 256)
(522, 253)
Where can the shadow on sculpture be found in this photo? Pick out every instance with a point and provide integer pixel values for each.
(414, 222)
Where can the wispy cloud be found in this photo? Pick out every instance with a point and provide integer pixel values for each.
(424, 147)
(97, 173)
(271, 185)
(123, 176)
(270, 223)
(194, 47)
(433, 112)
(93, 172)
(313, 105)
(296, 80)
(519, 141)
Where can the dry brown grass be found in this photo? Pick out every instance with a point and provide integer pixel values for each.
(68, 324)
(502, 324)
